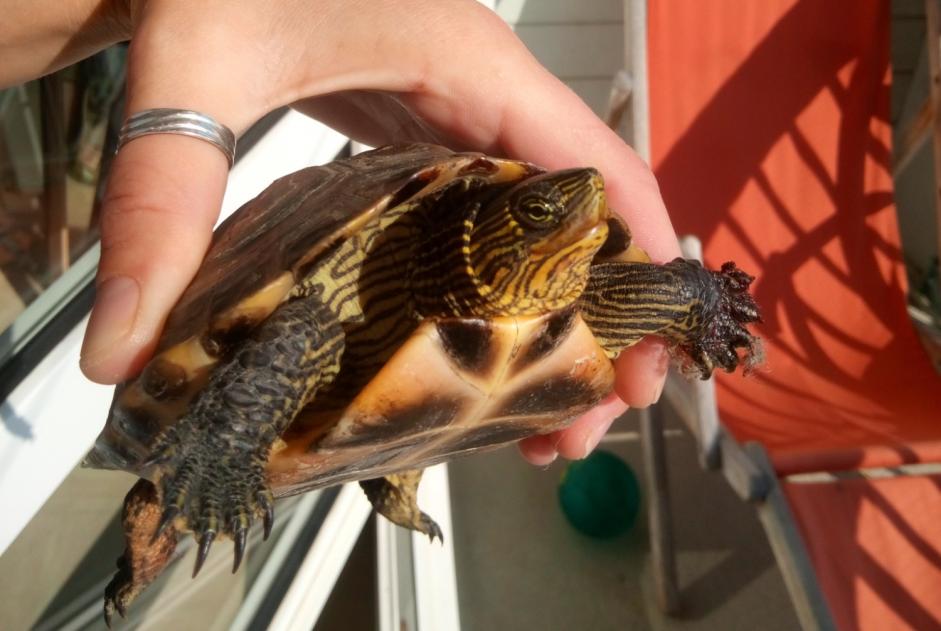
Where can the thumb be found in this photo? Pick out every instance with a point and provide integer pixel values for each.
(163, 197)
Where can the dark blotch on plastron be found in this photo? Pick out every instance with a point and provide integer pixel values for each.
(467, 343)
(554, 394)
(554, 331)
(414, 186)
(404, 421)
(481, 166)
(487, 435)
(163, 379)
(221, 341)
(619, 239)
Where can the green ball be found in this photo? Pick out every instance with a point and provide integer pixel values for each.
(600, 495)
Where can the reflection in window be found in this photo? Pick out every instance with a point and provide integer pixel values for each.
(57, 136)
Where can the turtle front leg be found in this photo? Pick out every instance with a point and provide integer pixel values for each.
(702, 312)
(395, 497)
(209, 468)
(146, 552)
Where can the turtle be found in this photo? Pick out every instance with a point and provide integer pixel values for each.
(368, 318)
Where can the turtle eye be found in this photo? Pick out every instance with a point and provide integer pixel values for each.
(538, 207)
(537, 212)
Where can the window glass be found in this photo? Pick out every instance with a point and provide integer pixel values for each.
(57, 136)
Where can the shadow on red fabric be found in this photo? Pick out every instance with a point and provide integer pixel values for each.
(772, 143)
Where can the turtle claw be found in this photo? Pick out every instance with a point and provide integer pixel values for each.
(736, 283)
(267, 507)
(432, 529)
(113, 602)
(241, 538)
(166, 519)
(109, 613)
(205, 543)
(214, 487)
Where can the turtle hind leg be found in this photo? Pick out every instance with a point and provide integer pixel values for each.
(146, 552)
(210, 468)
(395, 497)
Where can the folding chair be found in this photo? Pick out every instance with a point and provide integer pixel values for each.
(770, 137)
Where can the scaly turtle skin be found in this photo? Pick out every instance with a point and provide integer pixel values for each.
(365, 319)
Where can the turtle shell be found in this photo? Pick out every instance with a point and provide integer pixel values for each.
(456, 386)
(277, 237)
(256, 258)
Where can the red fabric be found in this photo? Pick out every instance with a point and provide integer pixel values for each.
(876, 549)
(771, 142)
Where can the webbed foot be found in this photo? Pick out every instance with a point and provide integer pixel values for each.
(395, 498)
(213, 484)
(719, 337)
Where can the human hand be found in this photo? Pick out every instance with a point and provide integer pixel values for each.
(449, 72)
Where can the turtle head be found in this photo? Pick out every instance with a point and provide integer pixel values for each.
(530, 249)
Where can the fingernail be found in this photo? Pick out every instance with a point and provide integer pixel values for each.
(547, 460)
(658, 391)
(112, 318)
(538, 451)
(594, 437)
(663, 366)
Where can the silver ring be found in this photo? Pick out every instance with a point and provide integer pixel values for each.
(184, 122)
